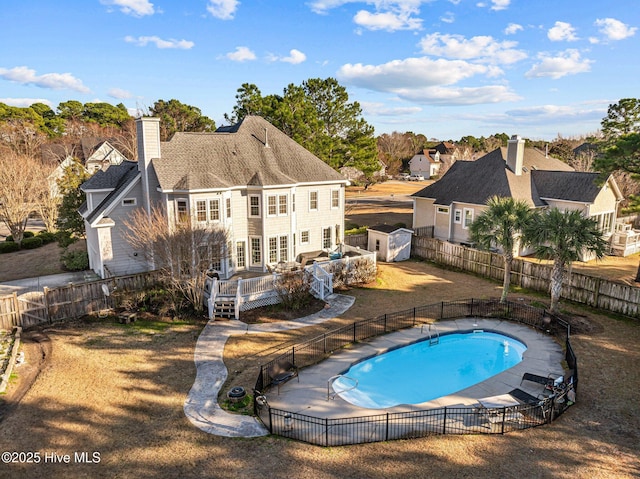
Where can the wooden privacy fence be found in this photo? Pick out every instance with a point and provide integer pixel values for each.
(581, 288)
(72, 301)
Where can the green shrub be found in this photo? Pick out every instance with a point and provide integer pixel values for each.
(26, 234)
(400, 225)
(9, 239)
(47, 237)
(75, 260)
(32, 242)
(64, 239)
(9, 247)
(356, 231)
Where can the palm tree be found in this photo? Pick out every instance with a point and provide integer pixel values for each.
(563, 236)
(500, 225)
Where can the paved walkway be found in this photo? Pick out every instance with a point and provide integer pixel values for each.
(201, 406)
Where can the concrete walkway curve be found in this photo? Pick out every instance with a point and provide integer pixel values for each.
(201, 406)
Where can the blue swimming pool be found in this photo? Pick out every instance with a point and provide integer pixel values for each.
(422, 371)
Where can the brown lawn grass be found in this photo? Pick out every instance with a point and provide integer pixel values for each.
(119, 390)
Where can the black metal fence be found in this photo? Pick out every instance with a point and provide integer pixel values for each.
(413, 424)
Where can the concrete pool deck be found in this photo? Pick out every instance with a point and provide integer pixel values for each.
(308, 396)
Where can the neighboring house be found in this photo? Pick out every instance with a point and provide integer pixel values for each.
(57, 174)
(275, 198)
(100, 155)
(425, 163)
(451, 203)
(390, 243)
(94, 153)
(354, 174)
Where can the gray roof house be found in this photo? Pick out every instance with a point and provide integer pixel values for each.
(275, 198)
(451, 203)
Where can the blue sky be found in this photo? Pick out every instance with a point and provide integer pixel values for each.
(443, 68)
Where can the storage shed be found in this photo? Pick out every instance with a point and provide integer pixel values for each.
(391, 243)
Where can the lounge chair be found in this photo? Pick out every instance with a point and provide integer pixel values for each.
(530, 400)
(281, 372)
(547, 381)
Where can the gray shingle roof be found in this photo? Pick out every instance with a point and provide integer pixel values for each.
(237, 156)
(565, 185)
(475, 182)
(127, 173)
(109, 178)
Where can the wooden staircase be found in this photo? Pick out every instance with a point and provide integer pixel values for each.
(224, 308)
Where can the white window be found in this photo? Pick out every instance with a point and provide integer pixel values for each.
(129, 202)
(214, 210)
(304, 237)
(273, 249)
(457, 216)
(201, 210)
(240, 254)
(254, 205)
(443, 210)
(335, 198)
(271, 205)
(256, 251)
(228, 205)
(326, 238)
(182, 211)
(313, 201)
(377, 245)
(282, 205)
(284, 248)
(468, 218)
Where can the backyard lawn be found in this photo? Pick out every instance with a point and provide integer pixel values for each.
(119, 390)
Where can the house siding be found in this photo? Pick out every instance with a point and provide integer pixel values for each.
(123, 259)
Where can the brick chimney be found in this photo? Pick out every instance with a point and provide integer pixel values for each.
(515, 154)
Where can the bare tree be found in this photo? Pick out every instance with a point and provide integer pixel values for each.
(184, 252)
(19, 192)
(393, 148)
(22, 137)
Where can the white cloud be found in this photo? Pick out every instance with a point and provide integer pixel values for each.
(119, 93)
(241, 54)
(54, 81)
(426, 80)
(160, 43)
(482, 48)
(137, 8)
(409, 73)
(513, 28)
(500, 4)
(223, 9)
(389, 15)
(460, 96)
(562, 31)
(568, 62)
(380, 109)
(295, 57)
(614, 29)
(389, 21)
(448, 17)
(24, 102)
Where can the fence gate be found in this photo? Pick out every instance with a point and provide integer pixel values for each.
(32, 308)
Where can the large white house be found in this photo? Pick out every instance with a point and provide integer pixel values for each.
(451, 203)
(275, 199)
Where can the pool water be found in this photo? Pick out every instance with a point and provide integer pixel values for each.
(421, 371)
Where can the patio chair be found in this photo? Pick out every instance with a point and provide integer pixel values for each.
(530, 400)
(281, 372)
(547, 381)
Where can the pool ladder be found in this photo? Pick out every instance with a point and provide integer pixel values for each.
(332, 395)
(434, 337)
